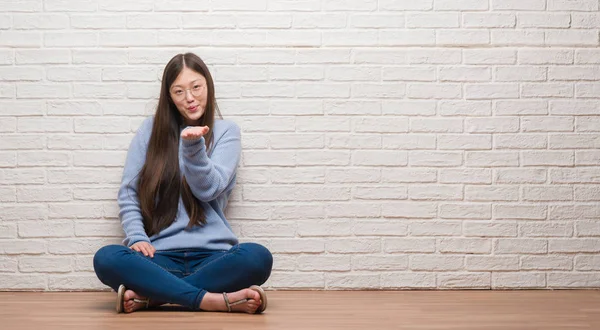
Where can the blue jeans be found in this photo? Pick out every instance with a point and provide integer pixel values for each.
(183, 277)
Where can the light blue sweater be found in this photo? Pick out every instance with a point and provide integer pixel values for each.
(211, 177)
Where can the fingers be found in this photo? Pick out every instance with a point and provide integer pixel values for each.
(148, 250)
(144, 248)
(152, 250)
(194, 132)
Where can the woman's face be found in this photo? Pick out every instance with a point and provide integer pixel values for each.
(189, 93)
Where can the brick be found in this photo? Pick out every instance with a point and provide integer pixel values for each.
(380, 228)
(587, 124)
(436, 263)
(352, 175)
(548, 158)
(466, 211)
(492, 263)
(8, 265)
(384, 124)
(354, 141)
(433, 91)
(471, 37)
(412, 107)
(587, 228)
(512, 108)
(573, 280)
(74, 282)
(520, 73)
(380, 262)
(270, 229)
(465, 176)
(545, 56)
(432, 20)
(489, 229)
(435, 228)
(379, 193)
(405, 175)
(356, 21)
(545, 124)
(20, 74)
(296, 73)
(491, 159)
(354, 281)
(408, 280)
(409, 209)
(12, 282)
(517, 38)
(587, 158)
(464, 245)
(466, 73)
(547, 193)
(521, 141)
(546, 263)
(511, 280)
(489, 20)
(464, 280)
(317, 20)
(520, 246)
(431, 125)
(435, 159)
(350, 38)
(491, 91)
(299, 245)
(489, 56)
(546, 229)
(325, 228)
(326, 263)
(586, 90)
(45, 264)
(378, 158)
(490, 194)
(22, 246)
(352, 108)
(435, 192)
(519, 212)
(580, 5)
(573, 245)
(282, 280)
(587, 263)
(435, 56)
(565, 212)
(358, 210)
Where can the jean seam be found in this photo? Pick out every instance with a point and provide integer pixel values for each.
(153, 263)
(233, 250)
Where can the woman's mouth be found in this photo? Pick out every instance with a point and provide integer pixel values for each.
(192, 109)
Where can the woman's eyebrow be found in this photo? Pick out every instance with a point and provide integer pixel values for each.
(190, 82)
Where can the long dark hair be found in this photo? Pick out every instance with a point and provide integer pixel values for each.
(160, 183)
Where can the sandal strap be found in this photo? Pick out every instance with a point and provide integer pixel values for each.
(143, 301)
(227, 301)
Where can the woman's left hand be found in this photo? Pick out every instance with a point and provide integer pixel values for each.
(194, 132)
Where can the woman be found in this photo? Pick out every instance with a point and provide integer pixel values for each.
(178, 176)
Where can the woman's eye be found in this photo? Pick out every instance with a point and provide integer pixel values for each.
(178, 92)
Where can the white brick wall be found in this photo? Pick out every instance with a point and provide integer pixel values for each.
(426, 144)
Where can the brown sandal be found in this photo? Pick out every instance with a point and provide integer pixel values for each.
(263, 299)
(120, 302)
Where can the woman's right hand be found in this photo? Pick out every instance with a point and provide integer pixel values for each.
(144, 247)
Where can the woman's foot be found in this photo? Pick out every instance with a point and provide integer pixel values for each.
(213, 302)
(129, 305)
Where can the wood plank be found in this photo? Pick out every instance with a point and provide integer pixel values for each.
(549, 310)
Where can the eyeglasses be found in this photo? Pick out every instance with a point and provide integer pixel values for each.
(179, 94)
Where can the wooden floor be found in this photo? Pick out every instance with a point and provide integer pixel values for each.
(369, 310)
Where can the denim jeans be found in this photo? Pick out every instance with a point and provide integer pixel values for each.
(183, 277)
